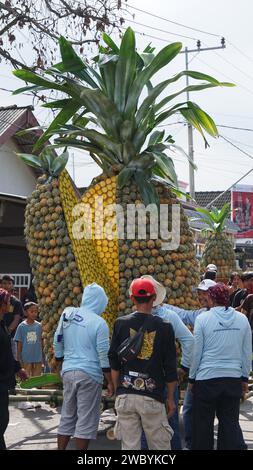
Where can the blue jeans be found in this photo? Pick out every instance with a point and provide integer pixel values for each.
(174, 423)
(187, 418)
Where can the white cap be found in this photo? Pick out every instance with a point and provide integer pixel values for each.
(206, 284)
(159, 288)
(211, 267)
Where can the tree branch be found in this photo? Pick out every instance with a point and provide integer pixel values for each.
(9, 25)
(44, 21)
(11, 59)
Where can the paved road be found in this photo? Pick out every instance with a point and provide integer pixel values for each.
(37, 429)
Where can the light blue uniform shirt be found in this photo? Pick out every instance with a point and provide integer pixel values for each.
(222, 345)
(182, 334)
(188, 317)
(82, 335)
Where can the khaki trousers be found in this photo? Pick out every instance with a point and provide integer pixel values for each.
(137, 412)
(32, 368)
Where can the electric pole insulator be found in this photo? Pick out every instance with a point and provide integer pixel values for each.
(223, 42)
(198, 44)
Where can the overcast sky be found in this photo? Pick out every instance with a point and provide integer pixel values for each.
(221, 165)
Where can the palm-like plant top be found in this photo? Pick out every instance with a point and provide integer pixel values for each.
(114, 109)
(215, 219)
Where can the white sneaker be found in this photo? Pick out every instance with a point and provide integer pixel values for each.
(25, 405)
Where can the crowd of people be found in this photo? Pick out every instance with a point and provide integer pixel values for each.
(139, 365)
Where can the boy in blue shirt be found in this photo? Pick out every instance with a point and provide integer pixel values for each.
(29, 341)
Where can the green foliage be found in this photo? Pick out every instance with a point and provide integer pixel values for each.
(117, 96)
(47, 161)
(215, 219)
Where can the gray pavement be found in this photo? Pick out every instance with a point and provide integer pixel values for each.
(36, 429)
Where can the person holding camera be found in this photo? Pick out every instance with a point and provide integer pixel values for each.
(142, 357)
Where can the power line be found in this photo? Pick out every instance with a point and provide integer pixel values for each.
(172, 124)
(230, 187)
(5, 89)
(236, 146)
(221, 158)
(223, 74)
(241, 52)
(239, 116)
(174, 22)
(234, 66)
(194, 57)
(161, 30)
(148, 35)
(236, 128)
(241, 143)
(198, 30)
(205, 165)
(216, 169)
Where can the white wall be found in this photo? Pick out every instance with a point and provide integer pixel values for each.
(15, 177)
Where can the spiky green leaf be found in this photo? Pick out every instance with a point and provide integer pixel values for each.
(57, 104)
(62, 117)
(60, 163)
(30, 88)
(30, 160)
(147, 190)
(108, 40)
(125, 69)
(124, 176)
(32, 77)
(164, 57)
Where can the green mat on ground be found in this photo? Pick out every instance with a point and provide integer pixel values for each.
(41, 381)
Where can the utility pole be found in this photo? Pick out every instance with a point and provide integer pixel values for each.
(190, 129)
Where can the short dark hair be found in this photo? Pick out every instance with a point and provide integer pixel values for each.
(233, 275)
(29, 304)
(143, 300)
(7, 277)
(210, 275)
(247, 275)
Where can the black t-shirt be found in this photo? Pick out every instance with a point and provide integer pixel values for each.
(248, 307)
(156, 364)
(8, 365)
(30, 296)
(232, 296)
(14, 309)
(239, 297)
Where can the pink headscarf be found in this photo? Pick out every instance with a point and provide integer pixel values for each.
(220, 294)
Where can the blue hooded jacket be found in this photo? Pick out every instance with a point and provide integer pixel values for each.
(222, 345)
(82, 335)
(182, 333)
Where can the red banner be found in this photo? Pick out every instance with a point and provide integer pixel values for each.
(242, 210)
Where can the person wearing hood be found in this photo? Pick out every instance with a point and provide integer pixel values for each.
(81, 341)
(219, 371)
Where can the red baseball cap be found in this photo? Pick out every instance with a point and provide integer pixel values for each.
(142, 288)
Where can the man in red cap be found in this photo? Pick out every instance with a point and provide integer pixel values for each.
(140, 381)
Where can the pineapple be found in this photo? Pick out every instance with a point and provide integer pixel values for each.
(118, 262)
(135, 159)
(56, 277)
(218, 249)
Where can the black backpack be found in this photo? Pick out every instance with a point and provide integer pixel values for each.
(131, 347)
